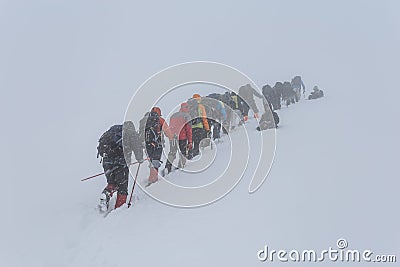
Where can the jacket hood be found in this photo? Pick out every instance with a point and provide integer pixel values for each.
(156, 110)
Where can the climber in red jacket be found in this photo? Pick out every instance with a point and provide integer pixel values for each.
(181, 130)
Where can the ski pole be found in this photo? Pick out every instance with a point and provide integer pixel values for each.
(93, 176)
(133, 187)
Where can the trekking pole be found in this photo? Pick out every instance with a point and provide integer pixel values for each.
(93, 176)
(133, 187)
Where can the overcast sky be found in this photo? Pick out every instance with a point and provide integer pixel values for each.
(59, 54)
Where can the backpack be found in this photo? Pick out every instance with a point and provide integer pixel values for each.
(296, 81)
(215, 96)
(194, 111)
(228, 100)
(267, 123)
(110, 143)
(153, 121)
(152, 128)
(267, 91)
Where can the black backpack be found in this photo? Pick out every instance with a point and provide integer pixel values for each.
(110, 143)
(215, 96)
(153, 121)
(296, 81)
(267, 91)
(228, 100)
(152, 128)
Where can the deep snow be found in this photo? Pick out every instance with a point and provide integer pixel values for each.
(307, 202)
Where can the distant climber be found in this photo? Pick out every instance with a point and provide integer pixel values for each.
(316, 93)
(297, 85)
(268, 120)
(288, 94)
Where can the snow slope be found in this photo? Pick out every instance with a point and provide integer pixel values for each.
(316, 193)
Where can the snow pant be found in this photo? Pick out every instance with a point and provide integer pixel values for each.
(244, 108)
(276, 103)
(173, 149)
(236, 118)
(198, 134)
(227, 123)
(117, 178)
(216, 130)
(154, 152)
(298, 93)
(276, 118)
(290, 98)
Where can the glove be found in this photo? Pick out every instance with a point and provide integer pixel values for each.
(189, 146)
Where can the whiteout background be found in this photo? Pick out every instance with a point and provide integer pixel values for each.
(69, 68)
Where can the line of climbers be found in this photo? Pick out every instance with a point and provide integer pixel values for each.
(288, 93)
(198, 120)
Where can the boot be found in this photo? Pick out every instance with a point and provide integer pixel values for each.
(168, 166)
(110, 188)
(121, 200)
(153, 177)
(104, 201)
(105, 197)
(182, 162)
